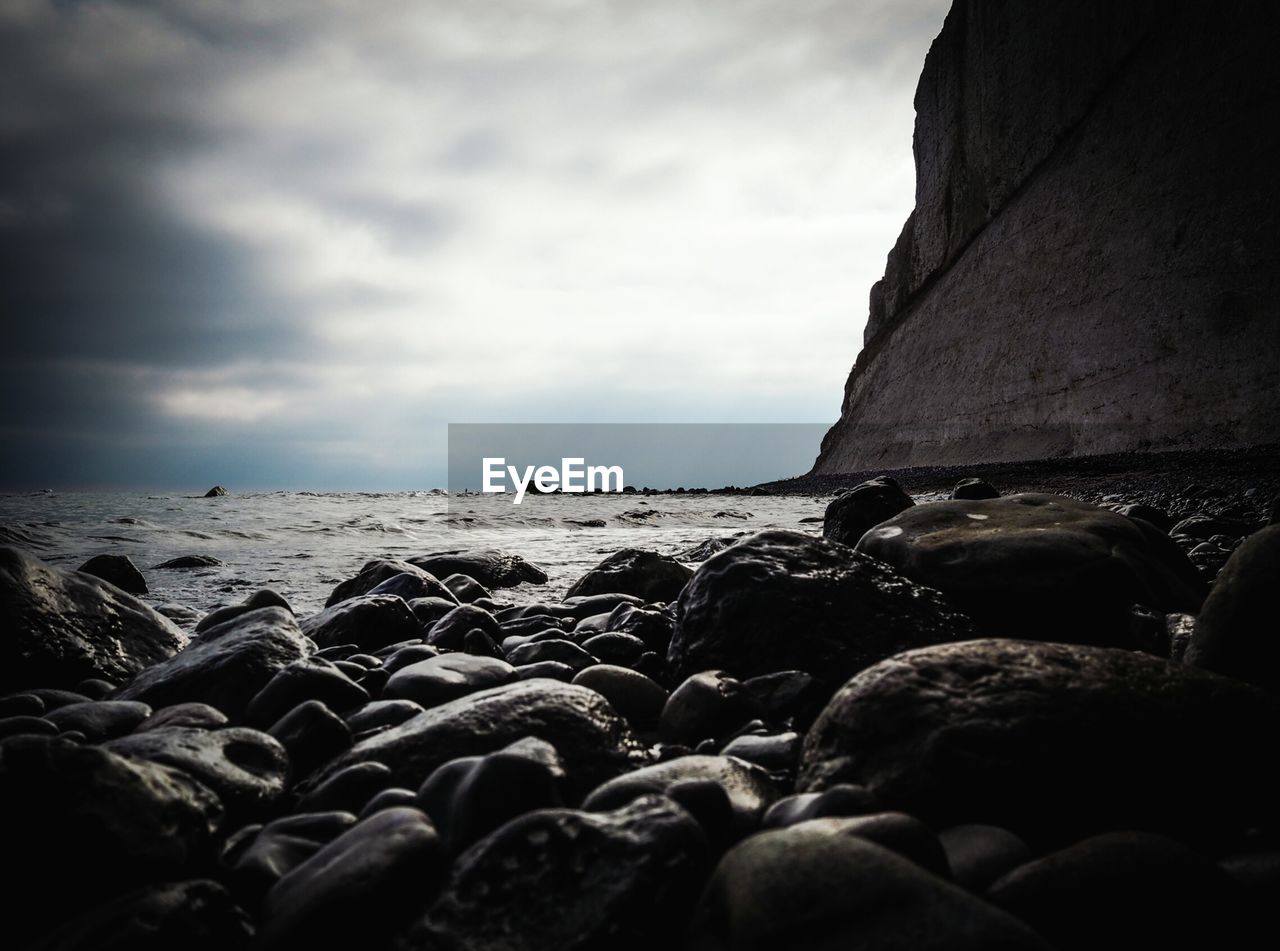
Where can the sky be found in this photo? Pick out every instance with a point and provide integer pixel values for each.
(283, 243)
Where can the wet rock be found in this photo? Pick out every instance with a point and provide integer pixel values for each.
(748, 787)
(263, 598)
(225, 666)
(1140, 890)
(369, 621)
(552, 649)
(979, 854)
(708, 705)
(308, 679)
(1149, 514)
(854, 511)
(407, 586)
(21, 705)
(430, 610)
(1238, 630)
(27, 726)
(632, 694)
(839, 800)
(216, 492)
(100, 719)
(788, 601)
(311, 734)
(433, 682)
(248, 769)
(199, 715)
(896, 831)
(570, 880)
(789, 697)
(451, 630)
(777, 753)
(614, 647)
(375, 572)
(358, 889)
(591, 738)
(974, 489)
(805, 887)
(1039, 566)
(490, 567)
(389, 799)
(58, 627)
(189, 562)
(481, 644)
(465, 588)
(347, 788)
(118, 570)
(648, 575)
(278, 847)
(1052, 741)
(382, 713)
(1205, 527)
(412, 654)
(548, 670)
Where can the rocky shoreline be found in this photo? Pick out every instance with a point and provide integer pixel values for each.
(1005, 719)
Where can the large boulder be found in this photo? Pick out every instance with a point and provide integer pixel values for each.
(1053, 741)
(594, 742)
(787, 601)
(1238, 631)
(225, 666)
(1038, 566)
(491, 567)
(119, 570)
(854, 512)
(58, 627)
(648, 575)
(570, 880)
(808, 886)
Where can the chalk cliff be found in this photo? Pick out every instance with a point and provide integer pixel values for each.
(1093, 262)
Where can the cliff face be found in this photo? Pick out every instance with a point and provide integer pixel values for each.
(1093, 263)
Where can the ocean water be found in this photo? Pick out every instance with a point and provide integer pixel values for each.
(303, 543)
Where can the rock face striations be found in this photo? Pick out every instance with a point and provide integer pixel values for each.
(1090, 266)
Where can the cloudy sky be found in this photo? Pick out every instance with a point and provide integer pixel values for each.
(281, 243)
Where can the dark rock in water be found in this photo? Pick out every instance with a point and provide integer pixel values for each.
(58, 627)
(559, 878)
(614, 647)
(974, 489)
(199, 715)
(94, 823)
(979, 854)
(311, 734)
(360, 888)
(708, 705)
(225, 666)
(788, 601)
(451, 630)
(308, 679)
(186, 562)
(381, 713)
(490, 567)
(347, 788)
(1052, 741)
(1238, 631)
(789, 697)
(278, 847)
(430, 610)
(100, 719)
(639, 699)
(194, 915)
(1140, 890)
(591, 738)
(376, 572)
(246, 768)
(840, 800)
(216, 492)
(263, 598)
(712, 546)
(806, 887)
(118, 570)
(369, 620)
(465, 588)
(645, 574)
(749, 789)
(555, 649)
(1039, 566)
(407, 585)
(447, 677)
(470, 797)
(855, 511)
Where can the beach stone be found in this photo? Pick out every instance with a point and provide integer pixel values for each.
(748, 787)
(94, 823)
(648, 575)
(118, 570)
(789, 697)
(636, 697)
(311, 735)
(1238, 630)
(358, 889)
(1150, 514)
(95, 688)
(594, 742)
(837, 801)
(226, 666)
(248, 769)
(27, 726)
(1139, 889)
(776, 752)
(197, 915)
(59, 627)
(375, 572)
(1039, 566)
(369, 621)
(787, 601)
(651, 625)
(346, 788)
(389, 799)
(451, 630)
(184, 714)
(481, 644)
(571, 880)
(310, 678)
(100, 719)
(465, 588)
(1206, 527)
(490, 567)
(708, 705)
(554, 649)
(447, 677)
(407, 586)
(854, 511)
(614, 647)
(380, 713)
(263, 598)
(974, 489)
(906, 835)
(21, 705)
(278, 847)
(979, 854)
(547, 670)
(412, 654)
(430, 610)
(190, 562)
(808, 887)
(1052, 741)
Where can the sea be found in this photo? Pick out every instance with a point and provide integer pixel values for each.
(303, 543)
